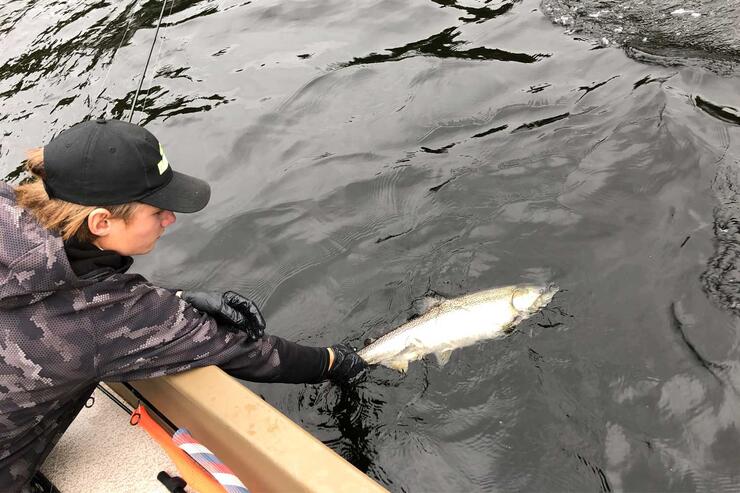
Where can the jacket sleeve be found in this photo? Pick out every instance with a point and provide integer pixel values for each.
(143, 331)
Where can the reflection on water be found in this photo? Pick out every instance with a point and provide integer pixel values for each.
(154, 105)
(445, 45)
(361, 155)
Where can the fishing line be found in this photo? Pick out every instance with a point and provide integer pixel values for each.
(110, 66)
(151, 50)
(159, 52)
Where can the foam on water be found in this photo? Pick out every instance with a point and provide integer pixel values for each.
(703, 32)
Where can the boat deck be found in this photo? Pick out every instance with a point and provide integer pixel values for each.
(102, 452)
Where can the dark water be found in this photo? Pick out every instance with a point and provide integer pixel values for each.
(361, 153)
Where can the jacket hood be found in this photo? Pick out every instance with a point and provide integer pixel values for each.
(33, 263)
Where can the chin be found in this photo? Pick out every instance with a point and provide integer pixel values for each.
(143, 251)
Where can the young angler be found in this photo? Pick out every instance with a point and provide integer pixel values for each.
(71, 317)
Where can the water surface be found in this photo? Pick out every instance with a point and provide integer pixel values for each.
(362, 153)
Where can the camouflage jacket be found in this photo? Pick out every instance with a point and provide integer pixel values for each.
(61, 334)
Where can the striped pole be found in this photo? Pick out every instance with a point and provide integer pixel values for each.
(208, 460)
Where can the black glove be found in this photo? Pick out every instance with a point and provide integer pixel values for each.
(347, 363)
(231, 309)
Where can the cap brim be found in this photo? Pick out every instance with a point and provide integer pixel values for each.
(183, 193)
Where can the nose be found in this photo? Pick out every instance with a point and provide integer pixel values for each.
(168, 218)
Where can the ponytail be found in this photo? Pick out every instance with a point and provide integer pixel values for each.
(66, 218)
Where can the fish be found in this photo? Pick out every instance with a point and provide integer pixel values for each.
(453, 323)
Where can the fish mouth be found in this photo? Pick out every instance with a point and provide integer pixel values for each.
(546, 295)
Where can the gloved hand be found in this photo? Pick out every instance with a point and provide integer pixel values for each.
(231, 309)
(347, 363)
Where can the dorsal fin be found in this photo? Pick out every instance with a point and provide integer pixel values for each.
(422, 305)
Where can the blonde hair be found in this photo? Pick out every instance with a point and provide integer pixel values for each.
(66, 218)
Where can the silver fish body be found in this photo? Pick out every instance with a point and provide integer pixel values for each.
(456, 323)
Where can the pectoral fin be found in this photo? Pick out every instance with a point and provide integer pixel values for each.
(443, 357)
(401, 365)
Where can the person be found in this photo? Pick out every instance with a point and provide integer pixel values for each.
(70, 316)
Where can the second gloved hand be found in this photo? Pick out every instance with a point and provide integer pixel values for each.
(231, 309)
(347, 363)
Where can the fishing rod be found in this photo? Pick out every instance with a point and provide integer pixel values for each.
(208, 471)
(130, 117)
(140, 398)
(151, 50)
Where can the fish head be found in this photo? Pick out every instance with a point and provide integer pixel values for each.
(528, 299)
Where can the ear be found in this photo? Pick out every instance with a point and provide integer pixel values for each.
(98, 222)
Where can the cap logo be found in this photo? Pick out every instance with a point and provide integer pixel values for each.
(163, 164)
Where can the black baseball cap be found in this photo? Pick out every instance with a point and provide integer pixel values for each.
(111, 162)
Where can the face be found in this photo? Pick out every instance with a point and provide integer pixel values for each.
(139, 234)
